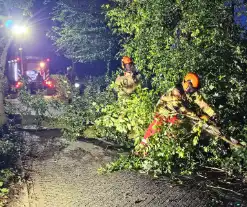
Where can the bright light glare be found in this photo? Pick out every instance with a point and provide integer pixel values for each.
(19, 30)
(77, 85)
(42, 64)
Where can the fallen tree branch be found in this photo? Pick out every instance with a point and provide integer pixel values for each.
(215, 168)
(213, 130)
(221, 188)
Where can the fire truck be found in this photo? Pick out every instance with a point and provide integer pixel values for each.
(33, 70)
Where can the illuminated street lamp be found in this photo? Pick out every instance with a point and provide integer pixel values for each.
(20, 31)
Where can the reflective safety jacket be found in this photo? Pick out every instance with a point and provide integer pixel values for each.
(127, 83)
(173, 102)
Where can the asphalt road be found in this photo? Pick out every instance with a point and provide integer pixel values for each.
(64, 174)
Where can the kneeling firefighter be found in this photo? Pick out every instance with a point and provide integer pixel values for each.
(175, 102)
(127, 83)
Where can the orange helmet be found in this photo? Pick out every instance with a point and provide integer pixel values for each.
(191, 82)
(126, 60)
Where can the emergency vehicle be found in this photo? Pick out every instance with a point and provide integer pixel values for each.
(34, 70)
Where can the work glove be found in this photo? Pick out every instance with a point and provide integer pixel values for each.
(234, 141)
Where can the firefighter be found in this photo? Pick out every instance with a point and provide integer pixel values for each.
(34, 83)
(176, 102)
(38, 82)
(127, 83)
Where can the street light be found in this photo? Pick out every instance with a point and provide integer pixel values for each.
(20, 31)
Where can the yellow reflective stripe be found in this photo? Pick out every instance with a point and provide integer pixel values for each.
(209, 111)
(126, 84)
(167, 104)
(203, 105)
(170, 105)
(199, 100)
(186, 111)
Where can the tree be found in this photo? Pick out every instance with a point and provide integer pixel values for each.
(80, 33)
(168, 38)
(6, 10)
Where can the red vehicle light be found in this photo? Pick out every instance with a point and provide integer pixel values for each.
(48, 60)
(49, 83)
(18, 84)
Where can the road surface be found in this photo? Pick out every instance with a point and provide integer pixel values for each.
(64, 174)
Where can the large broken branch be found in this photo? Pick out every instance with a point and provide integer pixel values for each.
(213, 130)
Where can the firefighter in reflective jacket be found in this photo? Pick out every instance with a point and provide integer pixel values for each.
(175, 102)
(127, 83)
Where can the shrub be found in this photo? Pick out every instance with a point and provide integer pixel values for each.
(84, 109)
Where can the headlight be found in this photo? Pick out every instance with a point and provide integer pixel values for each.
(77, 85)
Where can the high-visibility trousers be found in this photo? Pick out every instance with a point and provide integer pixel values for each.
(155, 126)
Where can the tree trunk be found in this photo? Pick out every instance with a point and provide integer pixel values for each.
(3, 60)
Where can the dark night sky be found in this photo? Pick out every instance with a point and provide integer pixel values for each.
(37, 44)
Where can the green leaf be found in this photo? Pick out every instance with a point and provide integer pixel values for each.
(4, 190)
(195, 140)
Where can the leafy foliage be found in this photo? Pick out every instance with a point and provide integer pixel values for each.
(84, 109)
(63, 88)
(127, 117)
(10, 146)
(166, 40)
(80, 33)
(34, 105)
